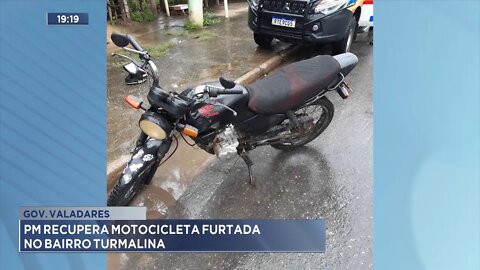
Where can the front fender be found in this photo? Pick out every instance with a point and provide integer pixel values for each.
(144, 161)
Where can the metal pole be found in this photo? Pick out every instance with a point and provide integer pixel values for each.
(167, 8)
(127, 9)
(195, 11)
(225, 4)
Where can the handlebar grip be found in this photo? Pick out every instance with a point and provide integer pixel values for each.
(231, 92)
(134, 43)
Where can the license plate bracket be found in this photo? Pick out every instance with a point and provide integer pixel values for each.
(283, 22)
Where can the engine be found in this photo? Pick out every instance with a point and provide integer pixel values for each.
(225, 143)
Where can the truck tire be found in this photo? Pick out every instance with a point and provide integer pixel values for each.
(263, 41)
(345, 43)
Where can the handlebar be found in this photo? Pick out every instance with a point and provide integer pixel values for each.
(231, 92)
(214, 92)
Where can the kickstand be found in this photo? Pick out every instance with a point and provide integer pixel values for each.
(249, 163)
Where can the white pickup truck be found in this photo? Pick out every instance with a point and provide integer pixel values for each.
(365, 23)
(366, 17)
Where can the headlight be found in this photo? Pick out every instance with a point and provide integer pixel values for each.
(155, 125)
(254, 3)
(329, 6)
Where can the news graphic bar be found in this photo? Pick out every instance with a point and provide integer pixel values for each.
(171, 235)
(67, 18)
(83, 213)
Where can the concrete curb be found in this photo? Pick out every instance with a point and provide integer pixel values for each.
(115, 167)
(267, 66)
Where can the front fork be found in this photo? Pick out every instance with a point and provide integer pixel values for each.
(141, 139)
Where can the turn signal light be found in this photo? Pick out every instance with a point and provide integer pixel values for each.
(133, 101)
(190, 131)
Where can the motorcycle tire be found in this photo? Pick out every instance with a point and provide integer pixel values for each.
(139, 171)
(318, 128)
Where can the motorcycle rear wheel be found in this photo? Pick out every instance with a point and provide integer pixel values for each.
(326, 108)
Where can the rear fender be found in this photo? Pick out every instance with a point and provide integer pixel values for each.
(347, 62)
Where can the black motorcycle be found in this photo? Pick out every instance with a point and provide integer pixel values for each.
(285, 110)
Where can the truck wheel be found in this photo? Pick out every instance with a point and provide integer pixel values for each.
(344, 45)
(262, 40)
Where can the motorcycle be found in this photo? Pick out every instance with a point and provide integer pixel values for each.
(285, 110)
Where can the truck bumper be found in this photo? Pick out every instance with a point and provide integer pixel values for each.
(331, 28)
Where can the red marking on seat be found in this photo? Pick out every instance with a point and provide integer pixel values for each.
(298, 86)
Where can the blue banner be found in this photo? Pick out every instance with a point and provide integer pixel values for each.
(52, 120)
(172, 235)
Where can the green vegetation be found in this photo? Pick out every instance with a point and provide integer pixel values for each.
(142, 16)
(156, 51)
(176, 2)
(192, 26)
(117, 64)
(205, 34)
(140, 12)
(161, 49)
(200, 35)
(209, 19)
(177, 33)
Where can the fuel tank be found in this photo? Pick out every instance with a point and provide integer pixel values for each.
(208, 116)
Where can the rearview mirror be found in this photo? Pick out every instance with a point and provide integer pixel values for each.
(120, 40)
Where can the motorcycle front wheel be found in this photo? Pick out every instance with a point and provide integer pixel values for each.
(322, 113)
(139, 171)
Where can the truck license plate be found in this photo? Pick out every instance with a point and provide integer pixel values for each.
(283, 22)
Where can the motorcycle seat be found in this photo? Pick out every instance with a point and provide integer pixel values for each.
(288, 87)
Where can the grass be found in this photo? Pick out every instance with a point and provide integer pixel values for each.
(156, 51)
(192, 26)
(117, 64)
(200, 35)
(177, 33)
(204, 35)
(142, 16)
(209, 19)
(161, 49)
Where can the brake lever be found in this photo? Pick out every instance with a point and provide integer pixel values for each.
(124, 56)
(128, 58)
(135, 51)
(226, 107)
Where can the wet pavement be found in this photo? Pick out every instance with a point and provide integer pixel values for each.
(330, 178)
